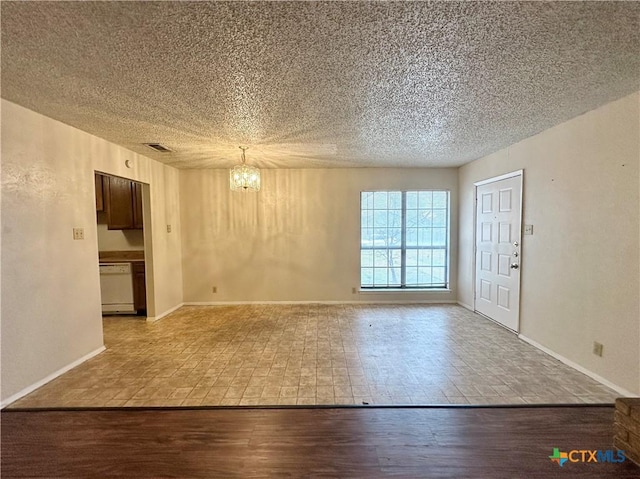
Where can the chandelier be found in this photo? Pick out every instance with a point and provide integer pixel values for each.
(243, 177)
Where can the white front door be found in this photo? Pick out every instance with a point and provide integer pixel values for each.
(498, 219)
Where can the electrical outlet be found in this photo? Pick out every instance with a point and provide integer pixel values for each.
(168, 228)
(353, 291)
(78, 233)
(214, 289)
(597, 348)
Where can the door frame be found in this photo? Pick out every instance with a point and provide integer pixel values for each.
(505, 176)
(147, 241)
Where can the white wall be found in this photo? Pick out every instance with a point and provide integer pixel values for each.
(118, 240)
(51, 313)
(295, 240)
(581, 267)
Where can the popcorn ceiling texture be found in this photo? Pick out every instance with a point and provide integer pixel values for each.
(318, 84)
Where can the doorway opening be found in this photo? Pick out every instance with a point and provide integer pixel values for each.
(121, 223)
(498, 249)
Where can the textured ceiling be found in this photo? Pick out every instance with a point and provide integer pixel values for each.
(318, 84)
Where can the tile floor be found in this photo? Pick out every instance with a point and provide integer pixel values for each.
(315, 354)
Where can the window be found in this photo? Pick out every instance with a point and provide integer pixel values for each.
(404, 239)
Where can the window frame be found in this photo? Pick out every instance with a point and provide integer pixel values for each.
(445, 285)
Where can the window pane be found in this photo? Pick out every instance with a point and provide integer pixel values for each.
(424, 276)
(367, 277)
(412, 257)
(367, 237)
(395, 218)
(439, 236)
(412, 218)
(440, 199)
(395, 236)
(438, 257)
(395, 200)
(395, 277)
(380, 218)
(425, 218)
(380, 258)
(424, 237)
(380, 200)
(439, 218)
(412, 276)
(367, 200)
(395, 257)
(366, 258)
(380, 276)
(412, 200)
(425, 199)
(438, 275)
(370, 217)
(412, 237)
(424, 257)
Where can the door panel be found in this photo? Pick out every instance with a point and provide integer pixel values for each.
(498, 224)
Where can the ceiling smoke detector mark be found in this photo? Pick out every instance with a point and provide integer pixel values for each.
(158, 147)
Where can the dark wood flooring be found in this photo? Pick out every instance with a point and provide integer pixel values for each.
(431, 442)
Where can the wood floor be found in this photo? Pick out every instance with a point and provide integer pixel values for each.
(460, 442)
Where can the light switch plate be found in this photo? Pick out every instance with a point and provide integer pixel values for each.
(528, 229)
(78, 233)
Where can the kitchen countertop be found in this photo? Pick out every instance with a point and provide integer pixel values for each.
(121, 256)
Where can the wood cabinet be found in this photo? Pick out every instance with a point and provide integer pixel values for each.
(139, 288)
(137, 205)
(122, 203)
(99, 192)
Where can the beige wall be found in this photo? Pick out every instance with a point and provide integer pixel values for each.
(51, 313)
(295, 240)
(580, 269)
(118, 240)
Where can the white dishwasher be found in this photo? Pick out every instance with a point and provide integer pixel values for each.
(116, 287)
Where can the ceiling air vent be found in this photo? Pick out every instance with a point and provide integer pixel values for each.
(157, 147)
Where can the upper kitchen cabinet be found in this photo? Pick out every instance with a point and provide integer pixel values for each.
(99, 193)
(137, 205)
(122, 203)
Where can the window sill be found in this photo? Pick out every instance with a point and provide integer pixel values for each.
(403, 290)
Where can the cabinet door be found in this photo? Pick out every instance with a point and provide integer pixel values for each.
(118, 202)
(99, 193)
(139, 287)
(137, 205)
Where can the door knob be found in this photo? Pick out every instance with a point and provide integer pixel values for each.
(515, 265)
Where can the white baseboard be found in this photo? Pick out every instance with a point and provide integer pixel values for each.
(50, 377)
(465, 305)
(152, 319)
(239, 303)
(576, 366)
